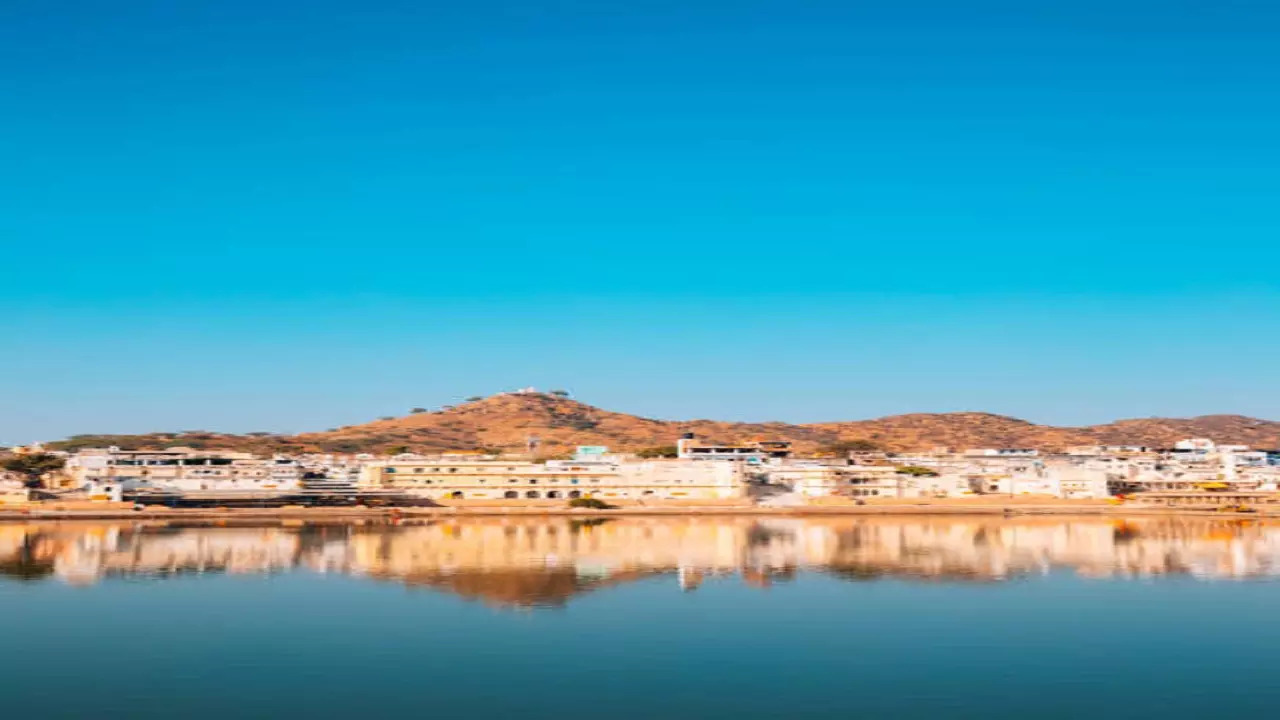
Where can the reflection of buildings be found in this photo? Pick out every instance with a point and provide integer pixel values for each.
(528, 561)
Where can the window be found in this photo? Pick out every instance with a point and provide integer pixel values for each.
(417, 470)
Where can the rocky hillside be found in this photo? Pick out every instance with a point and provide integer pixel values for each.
(506, 421)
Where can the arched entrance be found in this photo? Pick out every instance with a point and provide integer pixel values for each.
(532, 494)
(574, 494)
(553, 493)
(456, 495)
(510, 494)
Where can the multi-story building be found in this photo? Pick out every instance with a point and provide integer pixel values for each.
(690, 448)
(183, 469)
(493, 478)
(811, 479)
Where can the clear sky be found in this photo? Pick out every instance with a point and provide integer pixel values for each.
(289, 215)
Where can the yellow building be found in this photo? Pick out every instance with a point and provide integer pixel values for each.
(460, 478)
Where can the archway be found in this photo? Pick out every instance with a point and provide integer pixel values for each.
(573, 494)
(456, 494)
(510, 494)
(553, 493)
(532, 494)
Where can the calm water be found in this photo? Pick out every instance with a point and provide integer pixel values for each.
(643, 618)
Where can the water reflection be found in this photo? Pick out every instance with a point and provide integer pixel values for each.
(546, 562)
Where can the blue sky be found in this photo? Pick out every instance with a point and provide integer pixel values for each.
(291, 216)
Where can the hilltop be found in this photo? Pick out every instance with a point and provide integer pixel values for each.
(503, 422)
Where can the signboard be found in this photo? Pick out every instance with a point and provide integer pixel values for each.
(592, 450)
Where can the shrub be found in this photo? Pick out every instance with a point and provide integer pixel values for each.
(847, 446)
(917, 471)
(33, 466)
(589, 504)
(417, 410)
(661, 451)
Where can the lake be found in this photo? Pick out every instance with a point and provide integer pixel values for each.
(911, 617)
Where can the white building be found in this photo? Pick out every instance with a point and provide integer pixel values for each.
(183, 469)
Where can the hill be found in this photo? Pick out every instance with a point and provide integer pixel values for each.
(505, 422)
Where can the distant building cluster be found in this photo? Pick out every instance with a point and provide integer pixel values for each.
(762, 472)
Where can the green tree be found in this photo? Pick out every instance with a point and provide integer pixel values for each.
(660, 451)
(33, 466)
(417, 410)
(560, 393)
(917, 471)
(475, 398)
(397, 449)
(844, 447)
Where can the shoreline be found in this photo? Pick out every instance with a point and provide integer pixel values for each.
(30, 514)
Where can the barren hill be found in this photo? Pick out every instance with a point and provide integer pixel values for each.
(506, 421)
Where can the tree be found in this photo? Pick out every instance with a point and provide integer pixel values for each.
(844, 447)
(33, 466)
(917, 471)
(397, 449)
(660, 451)
(560, 393)
(475, 398)
(387, 417)
(416, 411)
